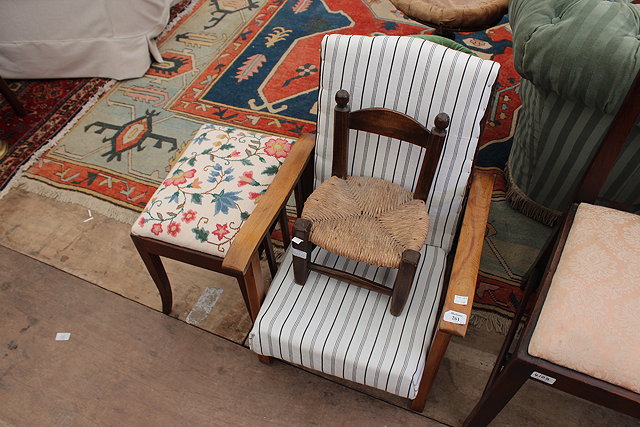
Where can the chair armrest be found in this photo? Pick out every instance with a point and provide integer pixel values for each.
(269, 205)
(464, 273)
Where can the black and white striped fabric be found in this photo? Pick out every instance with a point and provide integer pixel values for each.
(345, 330)
(417, 78)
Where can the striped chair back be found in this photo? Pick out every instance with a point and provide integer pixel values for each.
(418, 78)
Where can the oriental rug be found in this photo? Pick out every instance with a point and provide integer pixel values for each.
(51, 104)
(251, 64)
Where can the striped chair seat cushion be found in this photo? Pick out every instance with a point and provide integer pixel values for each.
(418, 78)
(347, 331)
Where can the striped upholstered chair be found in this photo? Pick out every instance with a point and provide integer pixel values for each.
(346, 330)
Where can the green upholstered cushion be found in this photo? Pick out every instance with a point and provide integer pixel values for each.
(584, 50)
(554, 142)
(443, 41)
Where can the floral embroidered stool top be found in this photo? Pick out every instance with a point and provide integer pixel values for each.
(212, 189)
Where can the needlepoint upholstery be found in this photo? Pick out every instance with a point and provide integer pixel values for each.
(343, 329)
(366, 219)
(212, 189)
(598, 281)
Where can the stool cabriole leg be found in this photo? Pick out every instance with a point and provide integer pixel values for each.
(157, 273)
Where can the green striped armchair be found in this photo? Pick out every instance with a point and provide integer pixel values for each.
(577, 59)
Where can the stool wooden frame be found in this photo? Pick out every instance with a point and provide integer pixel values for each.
(253, 237)
(513, 369)
(392, 124)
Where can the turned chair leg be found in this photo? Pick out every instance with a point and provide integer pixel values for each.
(157, 273)
(301, 250)
(404, 279)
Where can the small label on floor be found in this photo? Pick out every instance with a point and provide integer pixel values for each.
(542, 377)
(63, 336)
(298, 253)
(455, 317)
(203, 307)
(460, 299)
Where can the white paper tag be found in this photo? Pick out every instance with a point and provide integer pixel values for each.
(455, 317)
(297, 240)
(63, 336)
(460, 299)
(298, 253)
(542, 377)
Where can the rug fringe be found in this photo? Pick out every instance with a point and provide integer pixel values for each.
(19, 180)
(55, 139)
(492, 322)
(521, 202)
(96, 205)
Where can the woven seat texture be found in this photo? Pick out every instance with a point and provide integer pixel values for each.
(366, 219)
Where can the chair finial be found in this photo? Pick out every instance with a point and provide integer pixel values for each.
(441, 121)
(342, 97)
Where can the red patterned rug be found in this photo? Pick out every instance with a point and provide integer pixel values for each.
(252, 66)
(51, 104)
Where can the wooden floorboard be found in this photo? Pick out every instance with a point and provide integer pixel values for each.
(126, 364)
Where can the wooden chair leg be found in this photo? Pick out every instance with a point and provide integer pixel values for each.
(265, 359)
(505, 386)
(304, 187)
(255, 289)
(254, 286)
(404, 279)
(284, 227)
(271, 258)
(434, 358)
(157, 273)
(301, 250)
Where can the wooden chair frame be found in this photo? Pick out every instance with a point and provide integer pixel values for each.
(462, 267)
(249, 275)
(389, 123)
(513, 369)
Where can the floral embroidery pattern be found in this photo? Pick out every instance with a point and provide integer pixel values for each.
(213, 188)
(278, 147)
